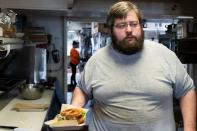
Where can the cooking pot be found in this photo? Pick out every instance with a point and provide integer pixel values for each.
(31, 91)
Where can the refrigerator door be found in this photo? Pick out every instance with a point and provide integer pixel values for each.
(40, 65)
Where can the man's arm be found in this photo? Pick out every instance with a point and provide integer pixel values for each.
(79, 98)
(188, 108)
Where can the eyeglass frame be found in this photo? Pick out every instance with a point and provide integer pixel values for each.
(124, 25)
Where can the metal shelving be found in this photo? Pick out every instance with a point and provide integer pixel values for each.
(11, 43)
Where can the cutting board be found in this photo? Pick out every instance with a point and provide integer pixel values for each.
(29, 107)
(66, 125)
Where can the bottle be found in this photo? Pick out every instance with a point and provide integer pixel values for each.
(8, 31)
(1, 31)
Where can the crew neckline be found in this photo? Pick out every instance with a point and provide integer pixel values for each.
(123, 56)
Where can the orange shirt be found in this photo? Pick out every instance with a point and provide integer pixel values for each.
(74, 56)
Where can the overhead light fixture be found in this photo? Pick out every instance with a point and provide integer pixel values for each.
(70, 4)
(185, 17)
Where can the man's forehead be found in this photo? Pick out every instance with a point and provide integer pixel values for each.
(130, 16)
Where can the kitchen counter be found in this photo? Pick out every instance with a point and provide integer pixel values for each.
(28, 120)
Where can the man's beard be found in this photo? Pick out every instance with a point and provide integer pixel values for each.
(126, 46)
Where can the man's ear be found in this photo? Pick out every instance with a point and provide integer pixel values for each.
(109, 31)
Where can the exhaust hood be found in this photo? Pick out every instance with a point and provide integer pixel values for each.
(38, 4)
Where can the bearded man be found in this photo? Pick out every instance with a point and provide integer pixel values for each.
(132, 81)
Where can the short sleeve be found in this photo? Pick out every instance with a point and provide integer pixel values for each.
(86, 78)
(183, 82)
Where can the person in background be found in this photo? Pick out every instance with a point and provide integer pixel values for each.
(74, 61)
(132, 81)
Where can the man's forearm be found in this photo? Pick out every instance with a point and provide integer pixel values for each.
(78, 98)
(188, 108)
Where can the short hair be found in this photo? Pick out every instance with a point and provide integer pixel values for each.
(120, 10)
(75, 42)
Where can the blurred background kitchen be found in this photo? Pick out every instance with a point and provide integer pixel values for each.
(36, 36)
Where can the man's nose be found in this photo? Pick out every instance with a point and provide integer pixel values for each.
(128, 28)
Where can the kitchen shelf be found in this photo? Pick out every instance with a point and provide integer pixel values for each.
(11, 43)
(13, 40)
(12, 46)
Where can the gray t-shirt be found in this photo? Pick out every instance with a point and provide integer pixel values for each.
(134, 92)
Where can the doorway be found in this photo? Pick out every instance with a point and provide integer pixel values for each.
(79, 32)
(91, 36)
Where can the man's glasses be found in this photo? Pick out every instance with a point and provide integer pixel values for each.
(124, 25)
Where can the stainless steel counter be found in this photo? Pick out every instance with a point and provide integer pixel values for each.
(27, 120)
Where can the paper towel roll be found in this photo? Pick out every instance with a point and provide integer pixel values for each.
(3, 49)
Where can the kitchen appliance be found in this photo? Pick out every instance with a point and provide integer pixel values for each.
(168, 40)
(25, 65)
(28, 63)
(187, 50)
(9, 49)
(8, 84)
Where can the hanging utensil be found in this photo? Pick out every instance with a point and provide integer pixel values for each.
(55, 54)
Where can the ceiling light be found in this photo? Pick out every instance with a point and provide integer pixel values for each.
(185, 17)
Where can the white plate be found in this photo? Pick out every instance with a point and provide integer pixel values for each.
(67, 128)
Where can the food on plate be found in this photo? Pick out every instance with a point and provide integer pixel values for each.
(64, 123)
(74, 114)
(69, 116)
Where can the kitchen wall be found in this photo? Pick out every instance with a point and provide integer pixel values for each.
(53, 25)
(47, 13)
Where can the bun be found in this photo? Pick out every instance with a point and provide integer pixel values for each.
(74, 113)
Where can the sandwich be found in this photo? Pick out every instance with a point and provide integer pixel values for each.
(74, 114)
